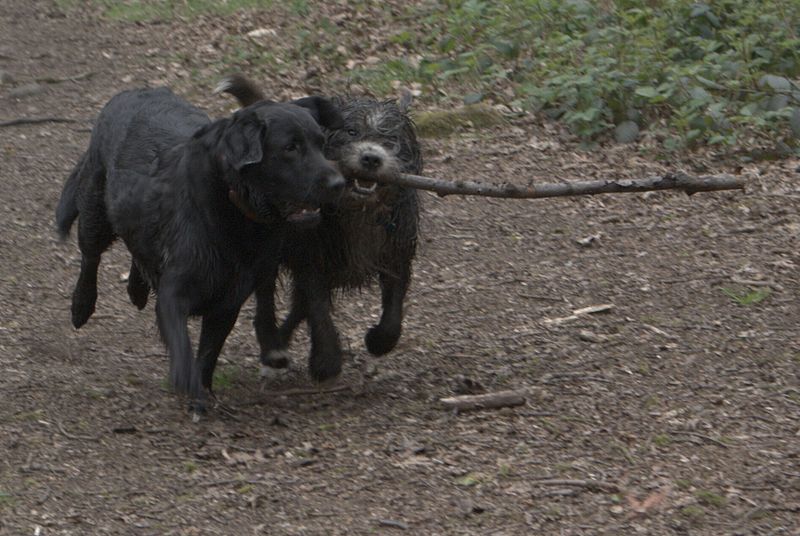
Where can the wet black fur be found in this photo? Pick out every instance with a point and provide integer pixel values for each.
(161, 176)
(362, 240)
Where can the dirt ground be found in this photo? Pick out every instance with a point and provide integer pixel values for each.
(677, 411)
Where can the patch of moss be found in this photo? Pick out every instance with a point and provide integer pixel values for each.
(693, 512)
(444, 123)
(711, 498)
(662, 440)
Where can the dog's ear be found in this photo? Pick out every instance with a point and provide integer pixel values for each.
(323, 111)
(243, 141)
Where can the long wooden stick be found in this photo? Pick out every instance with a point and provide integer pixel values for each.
(671, 181)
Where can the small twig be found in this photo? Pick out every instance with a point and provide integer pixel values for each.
(578, 376)
(561, 492)
(540, 297)
(577, 313)
(228, 411)
(770, 508)
(700, 436)
(227, 481)
(31, 467)
(593, 485)
(392, 523)
(76, 78)
(752, 283)
(73, 436)
(36, 121)
(499, 399)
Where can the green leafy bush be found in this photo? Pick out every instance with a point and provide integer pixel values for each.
(718, 72)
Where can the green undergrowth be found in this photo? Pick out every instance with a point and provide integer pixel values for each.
(720, 72)
(690, 73)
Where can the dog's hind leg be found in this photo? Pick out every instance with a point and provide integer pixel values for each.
(172, 314)
(216, 328)
(95, 235)
(138, 288)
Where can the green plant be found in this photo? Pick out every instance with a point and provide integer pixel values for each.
(6, 499)
(688, 73)
(711, 499)
(149, 10)
(699, 72)
(747, 298)
(662, 440)
(225, 376)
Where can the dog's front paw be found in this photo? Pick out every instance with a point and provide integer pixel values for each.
(82, 308)
(381, 341)
(198, 408)
(276, 359)
(325, 365)
(138, 292)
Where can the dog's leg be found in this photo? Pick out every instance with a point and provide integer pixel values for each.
(297, 313)
(95, 235)
(138, 289)
(216, 328)
(273, 352)
(382, 338)
(325, 361)
(172, 313)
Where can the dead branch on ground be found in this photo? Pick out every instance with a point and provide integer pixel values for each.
(499, 399)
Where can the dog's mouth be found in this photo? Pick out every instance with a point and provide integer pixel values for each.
(302, 215)
(294, 213)
(363, 187)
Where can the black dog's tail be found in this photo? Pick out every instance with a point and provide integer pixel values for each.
(244, 90)
(67, 210)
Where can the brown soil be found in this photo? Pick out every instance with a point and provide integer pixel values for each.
(678, 409)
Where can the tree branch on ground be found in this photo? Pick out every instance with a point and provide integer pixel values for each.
(499, 399)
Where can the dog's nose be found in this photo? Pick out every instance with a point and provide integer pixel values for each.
(370, 161)
(334, 183)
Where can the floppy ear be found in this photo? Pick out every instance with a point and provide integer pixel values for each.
(243, 140)
(323, 111)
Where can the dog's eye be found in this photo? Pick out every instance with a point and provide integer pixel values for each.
(352, 132)
(292, 147)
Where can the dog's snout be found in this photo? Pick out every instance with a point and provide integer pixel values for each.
(334, 183)
(370, 161)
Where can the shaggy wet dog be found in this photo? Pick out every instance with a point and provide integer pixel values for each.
(202, 206)
(371, 234)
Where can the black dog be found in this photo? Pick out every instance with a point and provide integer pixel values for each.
(202, 206)
(373, 232)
